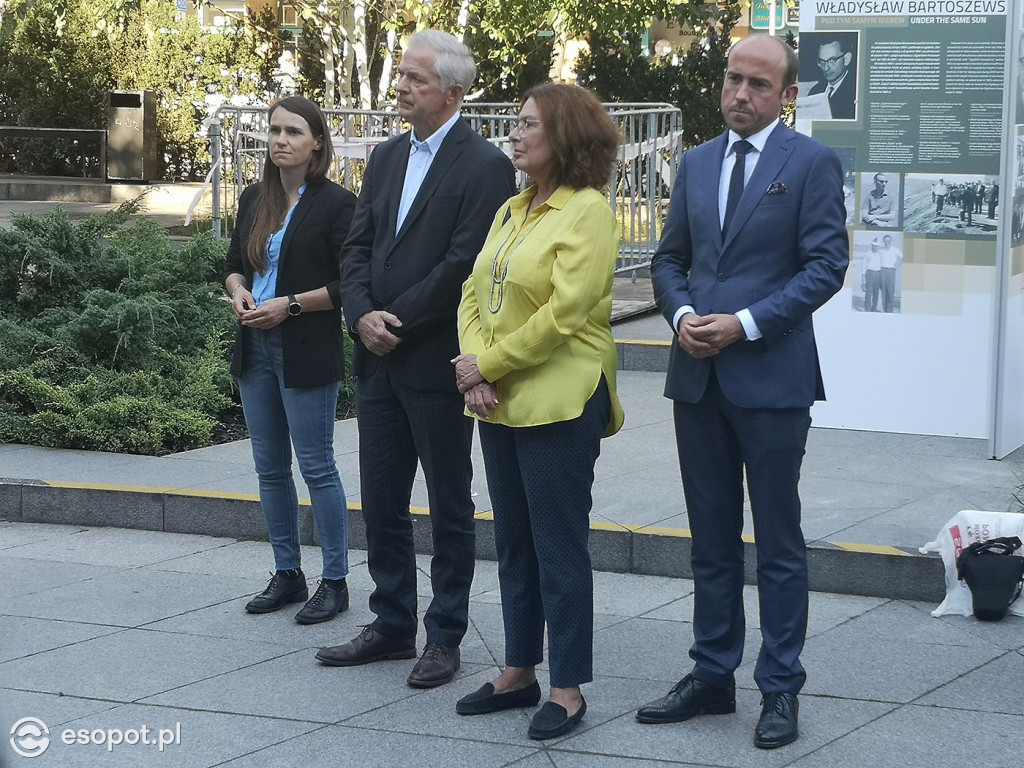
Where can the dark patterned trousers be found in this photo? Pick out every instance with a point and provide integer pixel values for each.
(540, 481)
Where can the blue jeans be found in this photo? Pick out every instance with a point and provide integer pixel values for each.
(279, 418)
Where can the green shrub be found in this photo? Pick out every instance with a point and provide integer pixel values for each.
(111, 339)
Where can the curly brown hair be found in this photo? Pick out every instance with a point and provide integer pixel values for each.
(583, 139)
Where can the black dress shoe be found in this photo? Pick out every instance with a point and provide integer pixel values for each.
(484, 700)
(330, 599)
(368, 646)
(552, 720)
(777, 725)
(689, 698)
(436, 666)
(282, 589)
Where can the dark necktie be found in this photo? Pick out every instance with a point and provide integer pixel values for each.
(741, 148)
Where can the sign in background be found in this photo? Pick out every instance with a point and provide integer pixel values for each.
(760, 14)
(918, 340)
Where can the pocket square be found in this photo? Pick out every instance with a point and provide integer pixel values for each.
(776, 188)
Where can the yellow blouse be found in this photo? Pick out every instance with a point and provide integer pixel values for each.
(537, 308)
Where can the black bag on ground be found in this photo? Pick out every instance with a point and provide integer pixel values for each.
(994, 574)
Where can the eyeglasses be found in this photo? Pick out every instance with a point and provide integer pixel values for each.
(526, 124)
(833, 60)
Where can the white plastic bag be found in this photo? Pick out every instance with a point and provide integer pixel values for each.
(964, 528)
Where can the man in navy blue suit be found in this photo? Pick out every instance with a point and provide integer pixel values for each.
(737, 275)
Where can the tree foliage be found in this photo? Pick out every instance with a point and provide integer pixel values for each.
(59, 59)
(618, 69)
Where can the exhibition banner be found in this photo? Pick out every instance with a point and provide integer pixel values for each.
(911, 95)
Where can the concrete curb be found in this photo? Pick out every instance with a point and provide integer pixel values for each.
(843, 568)
(639, 355)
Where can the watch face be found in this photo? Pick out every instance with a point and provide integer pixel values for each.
(295, 309)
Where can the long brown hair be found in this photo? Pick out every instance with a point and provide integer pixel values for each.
(273, 202)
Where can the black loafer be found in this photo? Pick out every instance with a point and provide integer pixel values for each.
(777, 725)
(281, 590)
(688, 698)
(484, 700)
(330, 599)
(552, 720)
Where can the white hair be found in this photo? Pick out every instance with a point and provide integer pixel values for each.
(453, 64)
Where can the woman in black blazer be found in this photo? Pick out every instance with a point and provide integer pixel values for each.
(282, 273)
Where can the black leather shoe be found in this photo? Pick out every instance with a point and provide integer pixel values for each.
(689, 698)
(777, 725)
(281, 590)
(368, 646)
(552, 720)
(436, 666)
(484, 700)
(330, 599)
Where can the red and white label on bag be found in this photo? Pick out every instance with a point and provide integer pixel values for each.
(958, 541)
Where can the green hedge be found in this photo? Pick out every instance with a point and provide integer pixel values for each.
(110, 338)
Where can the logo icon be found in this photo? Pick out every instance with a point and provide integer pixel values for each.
(30, 737)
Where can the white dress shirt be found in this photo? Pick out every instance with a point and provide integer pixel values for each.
(758, 140)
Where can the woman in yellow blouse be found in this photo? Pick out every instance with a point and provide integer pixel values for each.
(538, 370)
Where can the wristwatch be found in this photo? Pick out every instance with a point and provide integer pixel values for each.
(294, 308)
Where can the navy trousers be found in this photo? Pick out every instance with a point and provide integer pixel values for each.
(539, 480)
(397, 426)
(717, 441)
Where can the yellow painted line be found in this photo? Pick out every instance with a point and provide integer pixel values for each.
(217, 494)
(105, 487)
(875, 549)
(682, 533)
(599, 525)
(644, 342)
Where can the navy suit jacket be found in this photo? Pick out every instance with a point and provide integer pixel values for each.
(417, 272)
(785, 254)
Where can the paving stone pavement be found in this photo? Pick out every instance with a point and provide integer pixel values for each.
(109, 630)
(112, 628)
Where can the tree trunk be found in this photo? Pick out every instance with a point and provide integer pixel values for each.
(359, 49)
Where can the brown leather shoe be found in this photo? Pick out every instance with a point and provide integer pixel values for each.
(368, 646)
(436, 666)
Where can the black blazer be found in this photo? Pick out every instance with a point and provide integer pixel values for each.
(417, 272)
(310, 259)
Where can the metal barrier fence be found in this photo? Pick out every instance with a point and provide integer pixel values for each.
(638, 194)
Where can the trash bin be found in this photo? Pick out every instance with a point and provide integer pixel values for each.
(131, 136)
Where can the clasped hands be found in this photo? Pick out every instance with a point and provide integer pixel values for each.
(269, 314)
(706, 336)
(481, 396)
(374, 329)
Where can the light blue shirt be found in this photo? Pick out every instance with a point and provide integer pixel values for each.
(421, 155)
(264, 286)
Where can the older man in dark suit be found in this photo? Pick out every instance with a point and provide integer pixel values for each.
(737, 275)
(427, 201)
